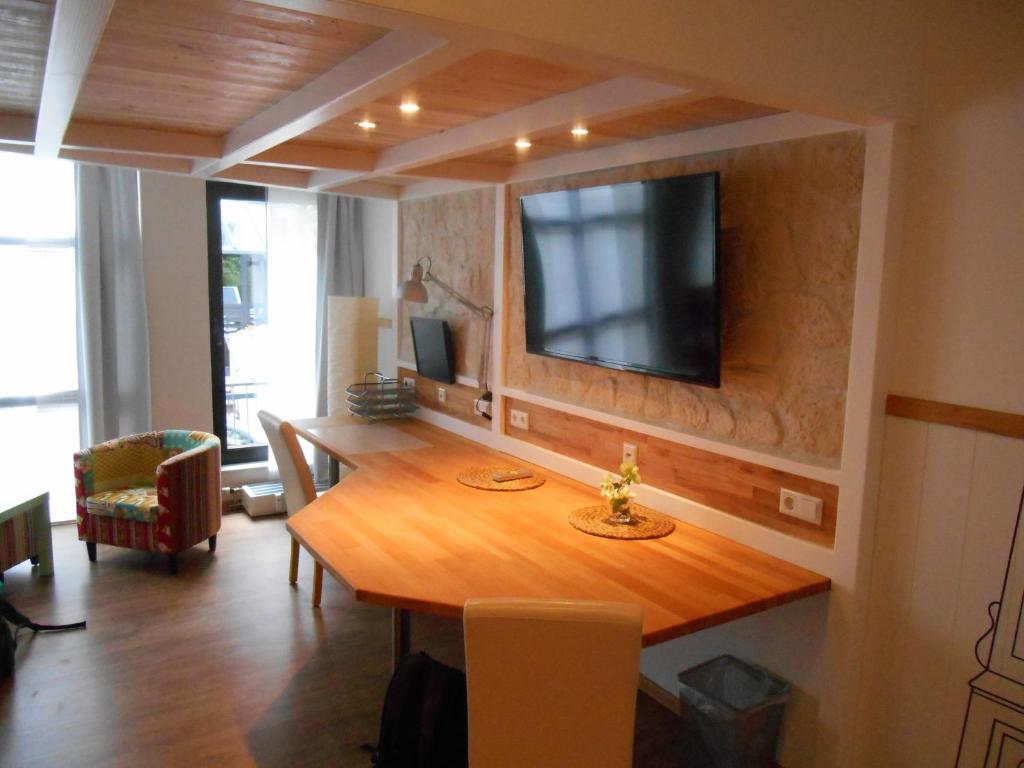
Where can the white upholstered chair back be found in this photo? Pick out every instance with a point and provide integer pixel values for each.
(291, 464)
(551, 682)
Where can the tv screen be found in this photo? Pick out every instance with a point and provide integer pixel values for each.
(432, 343)
(626, 276)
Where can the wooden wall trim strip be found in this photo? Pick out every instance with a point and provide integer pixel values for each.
(964, 416)
(459, 399)
(741, 488)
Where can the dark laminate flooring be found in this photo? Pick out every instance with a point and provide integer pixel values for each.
(224, 664)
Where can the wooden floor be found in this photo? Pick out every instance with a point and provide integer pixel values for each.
(224, 664)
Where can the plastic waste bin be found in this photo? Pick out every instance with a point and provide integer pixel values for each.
(731, 713)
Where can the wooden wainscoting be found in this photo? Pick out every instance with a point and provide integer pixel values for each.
(741, 488)
(458, 401)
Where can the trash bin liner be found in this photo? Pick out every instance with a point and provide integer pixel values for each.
(731, 713)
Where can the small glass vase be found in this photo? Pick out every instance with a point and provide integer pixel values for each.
(623, 515)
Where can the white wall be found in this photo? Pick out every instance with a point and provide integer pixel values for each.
(380, 244)
(961, 329)
(946, 518)
(949, 496)
(177, 299)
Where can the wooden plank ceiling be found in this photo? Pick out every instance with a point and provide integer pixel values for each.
(274, 92)
(24, 35)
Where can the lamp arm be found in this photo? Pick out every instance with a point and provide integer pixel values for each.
(483, 311)
(486, 312)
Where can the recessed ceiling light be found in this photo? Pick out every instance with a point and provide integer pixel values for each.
(579, 130)
(366, 124)
(409, 107)
(523, 144)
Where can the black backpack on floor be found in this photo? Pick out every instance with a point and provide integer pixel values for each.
(9, 640)
(425, 720)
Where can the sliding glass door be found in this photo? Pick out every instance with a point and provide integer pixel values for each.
(39, 372)
(262, 256)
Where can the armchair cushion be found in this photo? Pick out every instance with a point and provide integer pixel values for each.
(140, 503)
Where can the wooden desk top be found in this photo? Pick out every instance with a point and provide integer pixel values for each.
(401, 531)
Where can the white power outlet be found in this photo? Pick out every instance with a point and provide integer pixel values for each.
(409, 383)
(519, 419)
(800, 506)
(442, 394)
(630, 454)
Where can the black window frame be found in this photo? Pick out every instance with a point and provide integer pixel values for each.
(215, 192)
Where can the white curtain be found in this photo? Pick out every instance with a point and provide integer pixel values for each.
(339, 272)
(113, 336)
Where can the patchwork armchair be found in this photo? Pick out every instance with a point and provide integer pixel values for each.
(157, 491)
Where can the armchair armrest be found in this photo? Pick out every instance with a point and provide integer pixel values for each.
(189, 492)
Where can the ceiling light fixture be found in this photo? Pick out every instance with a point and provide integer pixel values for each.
(409, 107)
(523, 144)
(579, 131)
(366, 124)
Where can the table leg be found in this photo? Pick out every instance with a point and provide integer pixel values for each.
(399, 635)
(333, 471)
(41, 536)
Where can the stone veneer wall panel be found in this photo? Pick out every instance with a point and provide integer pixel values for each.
(790, 214)
(457, 232)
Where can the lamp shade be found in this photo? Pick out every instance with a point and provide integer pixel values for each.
(413, 289)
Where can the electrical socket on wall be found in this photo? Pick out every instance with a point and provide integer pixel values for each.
(519, 419)
(409, 383)
(442, 394)
(800, 505)
(630, 454)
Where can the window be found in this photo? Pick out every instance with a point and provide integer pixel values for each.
(262, 255)
(39, 375)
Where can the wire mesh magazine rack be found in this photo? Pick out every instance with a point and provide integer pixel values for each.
(378, 397)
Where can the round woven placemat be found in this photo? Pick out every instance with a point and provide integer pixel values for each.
(646, 523)
(480, 477)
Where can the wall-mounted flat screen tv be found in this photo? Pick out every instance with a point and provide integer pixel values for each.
(626, 276)
(432, 344)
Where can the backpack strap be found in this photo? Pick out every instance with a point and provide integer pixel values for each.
(19, 620)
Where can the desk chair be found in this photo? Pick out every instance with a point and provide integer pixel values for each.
(551, 682)
(298, 486)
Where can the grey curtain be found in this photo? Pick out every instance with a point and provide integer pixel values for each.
(113, 335)
(339, 272)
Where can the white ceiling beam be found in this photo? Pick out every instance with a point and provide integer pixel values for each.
(391, 63)
(613, 98)
(74, 37)
(314, 156)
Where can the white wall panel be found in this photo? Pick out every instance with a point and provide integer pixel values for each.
(947, 510)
